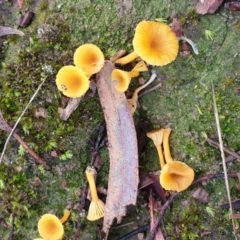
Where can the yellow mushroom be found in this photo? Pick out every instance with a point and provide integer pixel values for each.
(72, 81)
(154, 42)
(132, 102)
(176, 176)
(97, 207)
(123, 78)
(157, 138)
(89, 58)
(50, 227)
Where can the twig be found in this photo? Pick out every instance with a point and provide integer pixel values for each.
(5, 127)
(119, 54)
(225, 149)
(19, 119)
(173, 196)
(11, 235)
(135, 232)
(223, 159)
(150, 89)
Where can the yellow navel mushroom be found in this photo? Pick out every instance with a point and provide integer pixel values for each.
(154, 42)
(123, 78)
(89, 58)
(97, 207)
(175, 175)
(72, 81)
(157, 137)
(50, 227)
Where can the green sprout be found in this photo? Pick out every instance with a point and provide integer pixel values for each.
(209, 34)
(162, 20)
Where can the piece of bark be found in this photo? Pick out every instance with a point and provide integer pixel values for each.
(71, 107)
(8, 30)
(122, 146)
(208, 6)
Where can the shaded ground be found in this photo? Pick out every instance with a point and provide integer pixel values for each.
(184, 103)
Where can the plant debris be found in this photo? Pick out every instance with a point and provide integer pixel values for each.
(8, 30)
(208, 6)
(122, 146)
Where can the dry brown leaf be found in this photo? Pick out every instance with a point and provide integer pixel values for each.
(208, 6)
(8, 30)
(201, 195)
(122, 146)
(20, 4)
(176, 27)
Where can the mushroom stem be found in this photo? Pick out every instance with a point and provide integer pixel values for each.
(166, 147)
(193, 45)
(96, 208)
(160, 155)
(139, 67)
(65, 216)
(90, 172)
(127, 59)
(132, 102)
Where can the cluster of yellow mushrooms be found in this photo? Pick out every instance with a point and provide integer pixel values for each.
(156, 44)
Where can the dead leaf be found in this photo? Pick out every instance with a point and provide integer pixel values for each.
(208, 6)
(201, 195)
(8, 30)
(20, 4)
(25, 19)
(176, 27)
(41, 112)
(232, 6)
(122, 146)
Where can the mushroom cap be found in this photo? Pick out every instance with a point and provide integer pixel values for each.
(50, 227)
(72, 81)
(123, 79)
(89, 58)
(155, 43)
(96, 210)
(176, 176)
(156, 136)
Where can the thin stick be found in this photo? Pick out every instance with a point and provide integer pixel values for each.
(11, 235)
(118, 55)
(225, 149)
(19, 119)
(223, 159)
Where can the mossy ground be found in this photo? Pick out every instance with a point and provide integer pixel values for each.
(184, 103)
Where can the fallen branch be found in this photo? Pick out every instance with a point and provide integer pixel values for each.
(225, 149)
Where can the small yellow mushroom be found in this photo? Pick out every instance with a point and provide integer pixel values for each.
(123, 78)
(89, 58)
(175, 175)
(154, 42)
(97, 207)
(157, 137)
